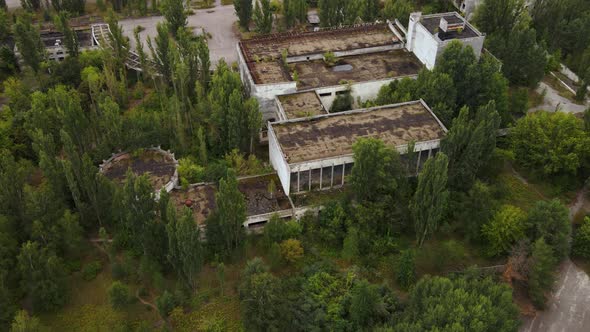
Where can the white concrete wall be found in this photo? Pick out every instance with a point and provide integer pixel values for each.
(278, 161)
(362, 90)
(264, 93)
(423, 44)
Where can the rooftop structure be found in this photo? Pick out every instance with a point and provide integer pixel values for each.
(323, 144)
(300, 105)
(366, 57)
(159, 165)
(428, 35)
(357, 68)
(261, 203)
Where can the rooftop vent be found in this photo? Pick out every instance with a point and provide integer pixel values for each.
(445, 26)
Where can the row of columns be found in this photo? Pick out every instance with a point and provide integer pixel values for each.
(418, 163)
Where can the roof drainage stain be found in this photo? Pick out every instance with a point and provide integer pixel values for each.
(341, 68)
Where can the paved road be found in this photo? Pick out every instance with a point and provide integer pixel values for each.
(554, 100)
(569, 310)
(569, 306)
(217, 21)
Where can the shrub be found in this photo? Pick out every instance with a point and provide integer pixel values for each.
(274, 256)
(91, 270)
(581, 242)
(188, 170)
(350, 247)
(343, 102)
(505, 229)
(118, 295)
(165, 304)
(330, 58)
(291, 250)
(406, 269)
(277, 230)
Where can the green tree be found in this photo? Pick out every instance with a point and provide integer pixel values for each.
(376, 169)
(550, 143)
(244, 12)
(470, 144)
(42, 276)
(505, 229)
(165, 304)
(523, 60)
(185, 248)
(500, 16)
(224, 228)
(263, 16)
(365, 305)
(541, 275)
(473, 210)
(466, 303)
(25, 323)
(291, 251)
(405, 274)
(431, 197)
(259, 297)
(350, 247)
(399, 9)
(371, 10)
(581, 241)
(550, 221)
(173, 11)
(119, 295)
(28, 41)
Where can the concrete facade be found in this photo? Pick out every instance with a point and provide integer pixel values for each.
(428, 45)
(298, 176)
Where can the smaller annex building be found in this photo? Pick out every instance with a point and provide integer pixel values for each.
(316, 152)
(158, 165)
(429, 35)
(263, 195)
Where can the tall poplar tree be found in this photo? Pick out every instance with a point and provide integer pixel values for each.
(244, 12)
(431, 197)
(184, 245)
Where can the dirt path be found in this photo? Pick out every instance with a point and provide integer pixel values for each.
(568, 309)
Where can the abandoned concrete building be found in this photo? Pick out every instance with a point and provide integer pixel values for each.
(316, 152)
(263, 195)
(360, 59)
(159, 165)
(429, 35)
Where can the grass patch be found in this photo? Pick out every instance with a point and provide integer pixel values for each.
(89, 309)
(536, 98)
(516, 192)
(227, 2)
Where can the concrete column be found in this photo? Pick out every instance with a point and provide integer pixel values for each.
(321, 177)
(309, 182)
(418, 161)
(343, 169)
(332, 177)
(298, 187)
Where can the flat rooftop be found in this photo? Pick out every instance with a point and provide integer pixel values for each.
(432, 23)
(301, 105)
(357, 68)
(328, 136)
(158, 165)
(313, 42)
(201, 198)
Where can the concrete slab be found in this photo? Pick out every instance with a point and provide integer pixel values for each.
(217, 21)
(569, 309)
